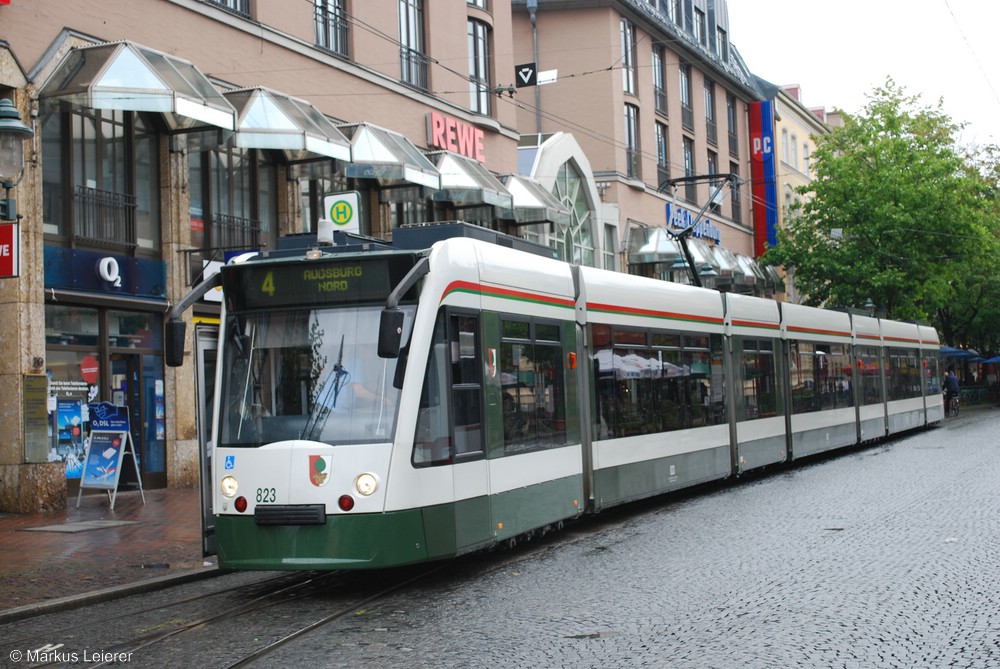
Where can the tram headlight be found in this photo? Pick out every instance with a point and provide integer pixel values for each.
(229, 486)
(365, 484)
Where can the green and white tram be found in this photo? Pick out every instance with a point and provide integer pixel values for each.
(390, 406)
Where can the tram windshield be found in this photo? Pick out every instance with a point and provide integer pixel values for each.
(306, 374)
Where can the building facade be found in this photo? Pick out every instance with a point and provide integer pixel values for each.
(657, 97)
(170, 135)
(796, 129)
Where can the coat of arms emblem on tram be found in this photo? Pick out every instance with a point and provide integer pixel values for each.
(319, 469)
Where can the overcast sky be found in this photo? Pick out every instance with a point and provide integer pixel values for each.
(838, 52)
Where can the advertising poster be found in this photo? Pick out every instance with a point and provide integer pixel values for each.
(103, 466)
(109, 439)
(70, 446)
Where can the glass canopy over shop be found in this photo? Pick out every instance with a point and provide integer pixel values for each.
(465, 182)
(131, 77)
(388, 157)
(267, 119)
(533, 203)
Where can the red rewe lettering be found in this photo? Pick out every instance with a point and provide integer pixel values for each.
(437, 129)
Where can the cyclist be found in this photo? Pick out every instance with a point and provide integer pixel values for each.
(950, 389)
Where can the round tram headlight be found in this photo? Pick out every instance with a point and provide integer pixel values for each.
(365, 484)
(229, 486)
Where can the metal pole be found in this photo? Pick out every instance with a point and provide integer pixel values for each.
(532, 7)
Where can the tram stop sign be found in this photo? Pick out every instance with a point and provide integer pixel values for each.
(343, 211)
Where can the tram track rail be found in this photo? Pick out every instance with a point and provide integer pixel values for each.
(266, 593)
(279, 591)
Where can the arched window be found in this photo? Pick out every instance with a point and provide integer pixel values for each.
(574, 242)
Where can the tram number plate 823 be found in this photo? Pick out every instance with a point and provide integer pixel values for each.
(266, 495)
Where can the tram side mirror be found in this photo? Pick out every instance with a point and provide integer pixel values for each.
(390, 333)
(173, 340)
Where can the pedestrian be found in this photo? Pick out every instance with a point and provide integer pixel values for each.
(950, 389)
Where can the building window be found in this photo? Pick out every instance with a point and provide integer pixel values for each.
(413, 59)
(700, 27)
(795, 152)
(331, 26)
(233, 202)
(662, 156)
(713, 168)
(722, 45)
(628, 56)
(687, 113)
(101, 183)
(734, 184)
(710, 129)
(659, 80)
(481, 4)
(690, 192)
(807, 167)
(731, 120)
(241, 7)
(784, 145)
(610, 248)
(676, 10)
(479, 67)
(574, 243)
(632, 141)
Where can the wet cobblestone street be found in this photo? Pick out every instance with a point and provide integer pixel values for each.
(883, 557)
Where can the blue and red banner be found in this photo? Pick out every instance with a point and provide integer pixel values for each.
(763, 176)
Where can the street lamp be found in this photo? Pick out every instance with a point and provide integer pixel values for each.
(12, 135)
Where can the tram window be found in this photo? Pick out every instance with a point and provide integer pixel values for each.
(466, 384)
(758, 380)
(903, 374)
(431, 444)
(666, 340)
(932, 371)
(869, 375)
(533, 386)
(821, 376)
(450, 416)
(643, 389)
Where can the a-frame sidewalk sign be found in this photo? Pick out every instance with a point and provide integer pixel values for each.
(110, 440)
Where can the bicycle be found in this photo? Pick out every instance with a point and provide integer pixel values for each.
(952, 405)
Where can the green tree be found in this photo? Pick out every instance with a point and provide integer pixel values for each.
(896, 214)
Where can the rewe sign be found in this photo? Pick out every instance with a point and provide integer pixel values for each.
(10, 244)
(445, 132)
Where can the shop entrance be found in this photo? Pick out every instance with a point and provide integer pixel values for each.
(136, 381)
(106, 355)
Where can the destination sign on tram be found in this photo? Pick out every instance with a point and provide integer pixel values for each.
(355, 279)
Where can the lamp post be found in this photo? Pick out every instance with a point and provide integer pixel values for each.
(12, 135)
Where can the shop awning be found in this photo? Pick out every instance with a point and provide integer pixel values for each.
(773, 277)
(969, 354)
(266, 119)
(753, 275)
(466, 183)
(653, 245)
(388, 157)
(730, 272)
(533, 203)
(704, 260)
(128, 76)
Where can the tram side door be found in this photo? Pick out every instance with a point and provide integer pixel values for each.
(206, 343)
(473, 515)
